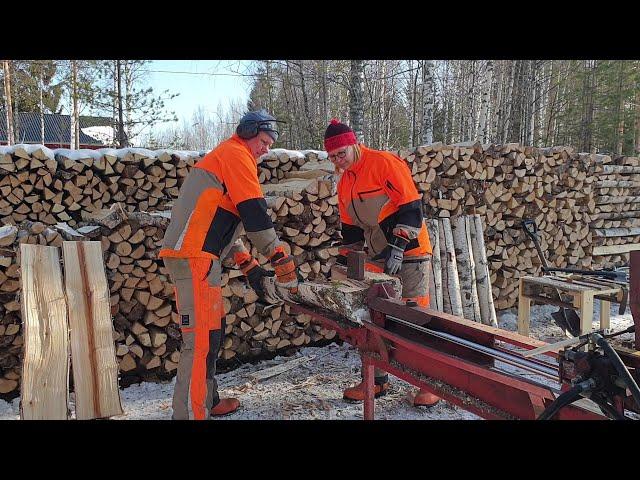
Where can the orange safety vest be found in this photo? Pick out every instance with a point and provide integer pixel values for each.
(219, 197)
(377, 194)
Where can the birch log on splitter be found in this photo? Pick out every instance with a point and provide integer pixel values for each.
(346, 297)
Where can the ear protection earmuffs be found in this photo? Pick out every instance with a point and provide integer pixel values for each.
(248, 130)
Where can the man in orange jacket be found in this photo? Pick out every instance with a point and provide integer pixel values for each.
(381, 213)
(220, 198)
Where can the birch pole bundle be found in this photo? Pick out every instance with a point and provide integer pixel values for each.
(435, 277)
(466, 268)
(452, 301)
(482, 277)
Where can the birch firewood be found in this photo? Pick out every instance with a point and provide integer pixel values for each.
(435, 278)
(452, 301)
(466, 268)
(483, 279)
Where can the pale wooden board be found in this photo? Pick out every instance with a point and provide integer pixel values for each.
(613, 249)
(549, 282)
(45, 367)
(93, 356)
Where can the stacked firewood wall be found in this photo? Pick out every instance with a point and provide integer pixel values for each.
(579, 202)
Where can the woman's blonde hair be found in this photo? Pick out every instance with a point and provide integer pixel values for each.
(357, 153)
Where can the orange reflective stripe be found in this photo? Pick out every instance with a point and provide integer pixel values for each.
(208, 316)
(372, 267)
(421, 301)
(278, 249)
(241, 257)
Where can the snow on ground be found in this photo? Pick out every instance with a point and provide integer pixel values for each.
(313, 389)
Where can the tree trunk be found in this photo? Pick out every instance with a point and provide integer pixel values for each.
(482, 132)
(41, 85)
(620, 145)
(74, 142)
(7, 99)
(356, 99)
(122, 139)
(549, 121)
(509, 101)
(637, 134)
(427, 105)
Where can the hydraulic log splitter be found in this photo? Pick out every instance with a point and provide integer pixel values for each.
(491, 372)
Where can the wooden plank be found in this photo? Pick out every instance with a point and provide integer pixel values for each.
(45, 367)
(524, 310)
(551, 282)
(616, 232)
(95, 369)
(615, 249)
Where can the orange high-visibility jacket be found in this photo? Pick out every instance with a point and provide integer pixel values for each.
(377, 195)
(220, 195)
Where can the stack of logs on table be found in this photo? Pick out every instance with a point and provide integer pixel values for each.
(51, 186)
(275, 164)
(142, 300)
(566, 193)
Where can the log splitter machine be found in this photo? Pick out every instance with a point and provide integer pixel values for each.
(491, 372)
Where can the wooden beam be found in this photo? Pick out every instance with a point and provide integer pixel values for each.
(615, 249)
(95, 369)
(45, 368)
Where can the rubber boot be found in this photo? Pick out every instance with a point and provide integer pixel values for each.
(226, 406)
(356, 393)
(425, 399)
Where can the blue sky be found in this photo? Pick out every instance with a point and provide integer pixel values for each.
(199, 86)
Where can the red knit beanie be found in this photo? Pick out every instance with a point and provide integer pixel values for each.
(338, 135)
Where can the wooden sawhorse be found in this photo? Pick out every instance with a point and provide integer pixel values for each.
(582, 289)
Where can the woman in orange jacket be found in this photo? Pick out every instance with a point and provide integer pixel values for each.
(381, 213)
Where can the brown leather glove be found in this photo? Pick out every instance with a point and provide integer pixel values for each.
(286, 271)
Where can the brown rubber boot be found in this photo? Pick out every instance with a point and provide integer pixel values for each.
(425, 399)
(226, 406)
(356, 394)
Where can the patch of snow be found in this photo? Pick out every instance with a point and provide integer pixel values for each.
(291, 153)
(30, 148)
(103, 133)
(320, 153)
(78, 154)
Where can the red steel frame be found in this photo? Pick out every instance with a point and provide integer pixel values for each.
(455, 378)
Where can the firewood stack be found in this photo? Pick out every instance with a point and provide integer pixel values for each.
(613, 208)
(11, 339)
(569, 195)
(51, 186)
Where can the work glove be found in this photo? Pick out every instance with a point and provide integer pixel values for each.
(287, 275)
(255, 276)
(394, 254)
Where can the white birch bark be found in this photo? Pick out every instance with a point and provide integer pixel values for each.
(483, 278)
(435, 279)
(452, 301)
(466, 268)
